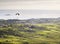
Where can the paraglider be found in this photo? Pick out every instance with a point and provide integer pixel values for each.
(17, 14)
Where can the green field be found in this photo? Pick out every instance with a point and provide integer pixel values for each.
(30, 34)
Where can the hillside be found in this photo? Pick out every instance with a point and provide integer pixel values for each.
(30, 34)
(31, 31)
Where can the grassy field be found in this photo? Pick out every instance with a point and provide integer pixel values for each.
(30, 34)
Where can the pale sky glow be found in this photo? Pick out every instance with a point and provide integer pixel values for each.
(30, 4)
(29, 8)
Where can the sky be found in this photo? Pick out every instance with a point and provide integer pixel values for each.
(29, 9)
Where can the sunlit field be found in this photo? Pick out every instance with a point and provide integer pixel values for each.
(30, 34)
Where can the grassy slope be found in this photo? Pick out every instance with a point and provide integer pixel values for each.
(30, 34)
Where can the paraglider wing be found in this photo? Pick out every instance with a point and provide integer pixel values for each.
(17, 14)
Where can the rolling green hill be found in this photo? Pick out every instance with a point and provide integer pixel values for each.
(30, 34)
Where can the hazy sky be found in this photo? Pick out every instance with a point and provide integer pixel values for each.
(29, 8)
(30, 4)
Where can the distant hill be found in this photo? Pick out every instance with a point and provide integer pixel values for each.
(30, 21)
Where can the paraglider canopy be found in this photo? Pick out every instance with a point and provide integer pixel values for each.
(17, 14)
